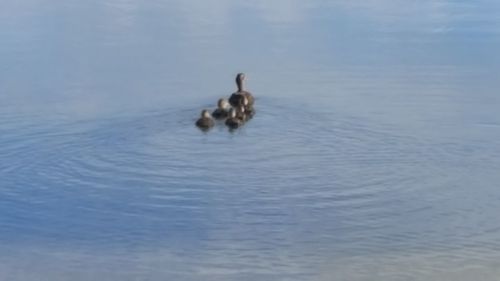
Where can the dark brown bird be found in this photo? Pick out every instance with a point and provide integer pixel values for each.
(222, 110)
(236, 98)
(241, 113)
(205, 122)
(233, 122)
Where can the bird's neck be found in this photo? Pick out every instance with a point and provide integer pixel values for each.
(240, 86)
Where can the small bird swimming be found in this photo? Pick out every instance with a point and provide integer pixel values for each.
(249, 110)
(233, 122)
(205, 122)
(236, 98)
(240, 113)
(222, 110)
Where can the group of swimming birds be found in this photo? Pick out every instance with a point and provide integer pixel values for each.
(236, 112)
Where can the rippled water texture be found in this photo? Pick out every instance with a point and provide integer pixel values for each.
(374, 153)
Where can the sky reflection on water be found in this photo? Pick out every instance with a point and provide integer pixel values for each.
(374, 151)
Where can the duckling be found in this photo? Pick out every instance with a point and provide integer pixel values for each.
(241, 113)
(222, 109)
(249, 110)
(205, 122)
(233, 122)
(236, 98)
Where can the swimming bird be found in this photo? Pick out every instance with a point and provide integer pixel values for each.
(249, 110)
(233, 122)
(205, 122)
(241, 113)
(236, 98)
(222, 109)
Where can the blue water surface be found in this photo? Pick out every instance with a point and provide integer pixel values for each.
(374, 153)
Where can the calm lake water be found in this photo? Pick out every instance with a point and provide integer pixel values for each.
(374, 154)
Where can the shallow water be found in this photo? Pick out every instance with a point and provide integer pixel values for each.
(374, 153)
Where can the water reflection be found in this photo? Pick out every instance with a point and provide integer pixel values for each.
(374, 151)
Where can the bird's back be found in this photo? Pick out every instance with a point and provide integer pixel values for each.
(237, 99)
(205, 123)
(233, 123)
